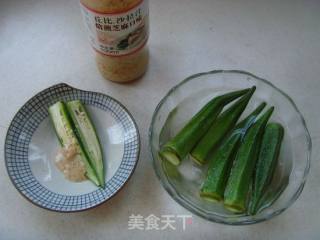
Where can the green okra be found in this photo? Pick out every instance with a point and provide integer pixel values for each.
(266, 163)
(220, 128)
(236, 192)
(220, 163)
(88, 138)
(180, 145)
(65, 132)
(217, 175)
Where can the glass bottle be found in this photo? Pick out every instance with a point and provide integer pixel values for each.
(118, 32)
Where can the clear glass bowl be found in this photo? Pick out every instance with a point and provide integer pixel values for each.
(183, 182)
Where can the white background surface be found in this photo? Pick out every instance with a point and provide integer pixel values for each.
(43, 42)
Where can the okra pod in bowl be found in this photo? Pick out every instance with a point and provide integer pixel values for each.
(184, 178)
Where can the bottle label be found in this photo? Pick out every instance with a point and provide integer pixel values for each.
(118, 34)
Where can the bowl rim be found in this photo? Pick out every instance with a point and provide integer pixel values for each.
(213, 217)
(62, 84)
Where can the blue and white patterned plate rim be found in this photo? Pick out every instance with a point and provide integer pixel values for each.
(26, 121)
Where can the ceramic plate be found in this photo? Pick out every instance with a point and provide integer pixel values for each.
(31, 145)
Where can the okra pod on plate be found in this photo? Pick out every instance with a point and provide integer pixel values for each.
(220, 163)
(236, 192)
(176, 149)
(219, 129)
(266, 163)
(65, 132)
(87, 137)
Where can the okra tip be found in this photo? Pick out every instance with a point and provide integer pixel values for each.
(261, 106)
(270, 111)
(230, 96)
(248, 94)
(267, 114)
(251, 91)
